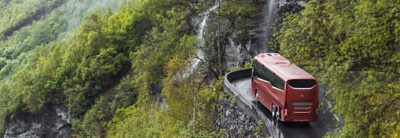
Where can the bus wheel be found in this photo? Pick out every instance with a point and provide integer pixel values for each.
(273, 111)
(278, 114)
(258, 101)
(257, 96)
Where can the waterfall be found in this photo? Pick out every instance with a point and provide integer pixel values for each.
(203, 23)
(200, 35)
(202, 26)
(200, 54)
(271, 8)
(201, 30)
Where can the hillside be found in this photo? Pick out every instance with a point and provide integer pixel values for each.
(354, 47)
(155, 68)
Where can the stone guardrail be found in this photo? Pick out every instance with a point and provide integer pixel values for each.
(234, 76)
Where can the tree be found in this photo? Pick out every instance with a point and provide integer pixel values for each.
(353, 47)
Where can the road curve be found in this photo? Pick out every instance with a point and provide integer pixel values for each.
(237, 83)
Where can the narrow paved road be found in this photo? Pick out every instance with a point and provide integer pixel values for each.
(273, 128)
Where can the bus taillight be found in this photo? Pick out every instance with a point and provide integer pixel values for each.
(285, 112)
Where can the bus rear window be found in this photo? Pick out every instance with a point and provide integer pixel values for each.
(302, 83)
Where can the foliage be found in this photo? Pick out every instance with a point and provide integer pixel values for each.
(176, 119)
(58, 25)
(94, 122)
(120, 73)
(46, 64)
(186, 109)
(353, 46)
(15, 12)
(68, 72)
(127, 73)
(16, 52)
(243, 16)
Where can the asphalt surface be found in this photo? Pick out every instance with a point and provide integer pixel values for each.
(326, 120)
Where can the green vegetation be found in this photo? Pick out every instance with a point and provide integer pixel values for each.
(59, 25)
(192, 119)
(113, 63)
(353, 46)
(16, 12)
(188, 105)
(243, 16)
(30, 44)
(123, 72)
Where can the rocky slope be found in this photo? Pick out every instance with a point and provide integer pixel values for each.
(53, 121)
(235, 121)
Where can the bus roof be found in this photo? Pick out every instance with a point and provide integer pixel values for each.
(282, 66)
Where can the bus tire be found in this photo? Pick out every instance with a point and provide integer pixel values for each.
(257, 96)
(258, 101)
(277, 114)
(273, 111)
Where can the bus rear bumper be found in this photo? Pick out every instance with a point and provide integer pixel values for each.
(295, 118)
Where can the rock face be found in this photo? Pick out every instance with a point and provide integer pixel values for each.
(235, 121)
(239, 51)
(53, 121)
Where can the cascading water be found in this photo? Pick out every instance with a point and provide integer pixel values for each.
(271, 7)
(200, 38)
(203, 23)
(201, 41)
(201, 31)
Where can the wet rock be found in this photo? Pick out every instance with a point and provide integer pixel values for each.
(233, 119)
(53, 122)
(227, 113)
(239, 50)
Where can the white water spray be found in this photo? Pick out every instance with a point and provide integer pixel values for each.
(203, 23)
(200, 33)
(201, 41)
(271, 8)
(200, 54)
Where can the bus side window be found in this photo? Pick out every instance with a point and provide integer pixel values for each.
(264, 73)
(257, 69)
(278, 82)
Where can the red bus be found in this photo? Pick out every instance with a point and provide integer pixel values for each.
(289, 92)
